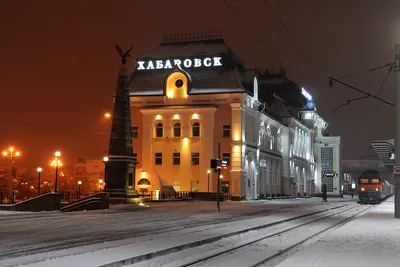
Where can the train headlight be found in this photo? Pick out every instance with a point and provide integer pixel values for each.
(362, 189)
(376, 189)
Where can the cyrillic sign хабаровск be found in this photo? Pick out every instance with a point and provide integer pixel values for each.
(206, 62)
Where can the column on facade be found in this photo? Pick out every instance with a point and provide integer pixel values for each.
(237, 151)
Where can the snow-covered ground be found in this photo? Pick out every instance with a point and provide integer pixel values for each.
(372, 239)
(30, 237)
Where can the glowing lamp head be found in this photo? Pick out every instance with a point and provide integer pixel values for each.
(39, 169)
(208, 171)
(17, 153)
(105, 159)
(79, 182)
(5, 153)
(107, 115)
(100, 181)
(58, 153)
(11, 149)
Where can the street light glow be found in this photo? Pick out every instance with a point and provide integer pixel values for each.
(58, 153)
(11, 149)
(17, 153)
(39, 169)
(208, 171)
(105, 159)
(79, 182)
(107, 115)
(5, 153)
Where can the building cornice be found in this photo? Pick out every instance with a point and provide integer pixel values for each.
(172, 109)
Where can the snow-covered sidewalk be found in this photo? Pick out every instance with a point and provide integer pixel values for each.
(372, 239)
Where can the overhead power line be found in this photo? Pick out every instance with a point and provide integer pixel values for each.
(366, 94)
(365, 71)
(254, 33)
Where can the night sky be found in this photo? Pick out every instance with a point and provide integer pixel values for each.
(59, 64)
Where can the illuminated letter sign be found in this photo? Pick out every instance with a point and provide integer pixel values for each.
(188, 63)
(306, 94)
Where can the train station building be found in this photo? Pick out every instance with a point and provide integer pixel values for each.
(187, 95)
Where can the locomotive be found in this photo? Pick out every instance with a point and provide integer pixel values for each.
(372, 188)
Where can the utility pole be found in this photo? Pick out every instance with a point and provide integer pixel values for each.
(397, 139)
(218, 179)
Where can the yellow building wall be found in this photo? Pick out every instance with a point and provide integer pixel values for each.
(167, 173)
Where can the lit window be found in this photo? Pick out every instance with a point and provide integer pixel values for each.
(135, 131)
(144, 181)
(227, 157)
(195, 158)
(177, 129)
(158, 158)
(196, 129)
(176, 158)
(226, 130)
(159, 130)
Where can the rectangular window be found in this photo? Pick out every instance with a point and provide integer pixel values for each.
(135, 157)
(327, 159)
(227, 156)
(135, 131)
(364, 181)
(195, 158)
(158, 158)
(176, 158)
(374, 181)
(226, 130)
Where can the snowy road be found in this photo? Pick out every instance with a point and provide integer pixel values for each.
(74, 233)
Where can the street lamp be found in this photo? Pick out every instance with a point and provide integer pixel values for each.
(105, 160)
(107, 115)
(39, 170)
(208, 184)
(10, 154)
(79, 189)
(56, 163)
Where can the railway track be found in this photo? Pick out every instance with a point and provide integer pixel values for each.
(91, 236)
(258, 247)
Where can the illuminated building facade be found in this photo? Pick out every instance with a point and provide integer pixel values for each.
(188, 96)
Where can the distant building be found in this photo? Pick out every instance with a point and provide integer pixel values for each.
(188, 96)
(90, 173)
(328, 149)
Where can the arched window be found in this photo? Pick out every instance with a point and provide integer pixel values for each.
(144, 181)
(159, 130)
(177, 129)
(196, 129)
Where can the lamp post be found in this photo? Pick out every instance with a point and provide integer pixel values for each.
(12, 154)
(56, 163)
(39, 170)
(79, 189)
(105, 160)
(208, 185)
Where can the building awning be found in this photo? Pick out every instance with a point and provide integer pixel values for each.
(384, 150)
